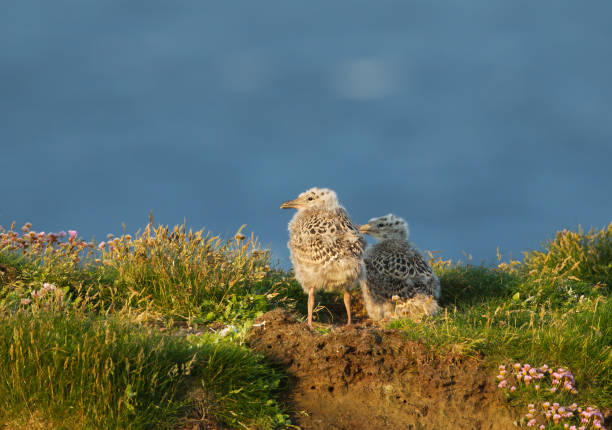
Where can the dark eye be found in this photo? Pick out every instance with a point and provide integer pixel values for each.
(381, 225)
(309, 198)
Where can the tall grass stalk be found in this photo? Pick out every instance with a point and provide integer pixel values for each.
(70, 369)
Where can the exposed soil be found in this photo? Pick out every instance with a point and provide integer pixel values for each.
(364, 377)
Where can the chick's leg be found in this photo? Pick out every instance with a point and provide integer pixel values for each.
(347, 304)
(310, 306)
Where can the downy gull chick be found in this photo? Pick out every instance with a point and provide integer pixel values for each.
(399, 280)
(326, 247)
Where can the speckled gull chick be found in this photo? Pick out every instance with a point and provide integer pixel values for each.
(399, 280)
(326, 247)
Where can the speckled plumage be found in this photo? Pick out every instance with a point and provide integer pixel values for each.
(397, 273)
(326, 247)
(395, 268)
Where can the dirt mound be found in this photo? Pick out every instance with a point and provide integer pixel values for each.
(368, 378)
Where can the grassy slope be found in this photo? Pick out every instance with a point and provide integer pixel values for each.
(554, 309)
(100, 350)
(86, 352)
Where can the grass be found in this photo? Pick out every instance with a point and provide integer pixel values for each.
(553, 308)
(70, 367)
(90, 331)
(162, 274)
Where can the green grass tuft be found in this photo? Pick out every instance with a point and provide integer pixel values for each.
(579, 256)
(107, 373)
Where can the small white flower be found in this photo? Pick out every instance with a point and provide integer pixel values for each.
(229, 329)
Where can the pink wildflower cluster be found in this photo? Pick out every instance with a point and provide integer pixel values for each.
(31, 239)
(46, 290)
(571, 417)
(525, 374)
(112, 242)
(591, 416)
(563, 379)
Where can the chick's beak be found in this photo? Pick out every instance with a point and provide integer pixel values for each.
(289, 204)
(365, 229)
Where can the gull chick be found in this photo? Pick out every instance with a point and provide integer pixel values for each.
(399, 280)
(326, 247)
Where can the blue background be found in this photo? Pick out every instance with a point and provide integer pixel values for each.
(483, 123)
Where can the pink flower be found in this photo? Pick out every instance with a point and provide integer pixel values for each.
(553, 389)
(62, 233)
(556, 418)
(48, 287)
(542, 426)
(516, 366)
(531, 423)
(503, 384)
(26, 302)
(72, 234)
(513, 389)
(101, 245)
(537, 387)
(546, 405)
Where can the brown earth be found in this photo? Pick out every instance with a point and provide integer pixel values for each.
(364, 377)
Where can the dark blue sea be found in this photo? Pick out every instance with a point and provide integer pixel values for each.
(484, 123)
